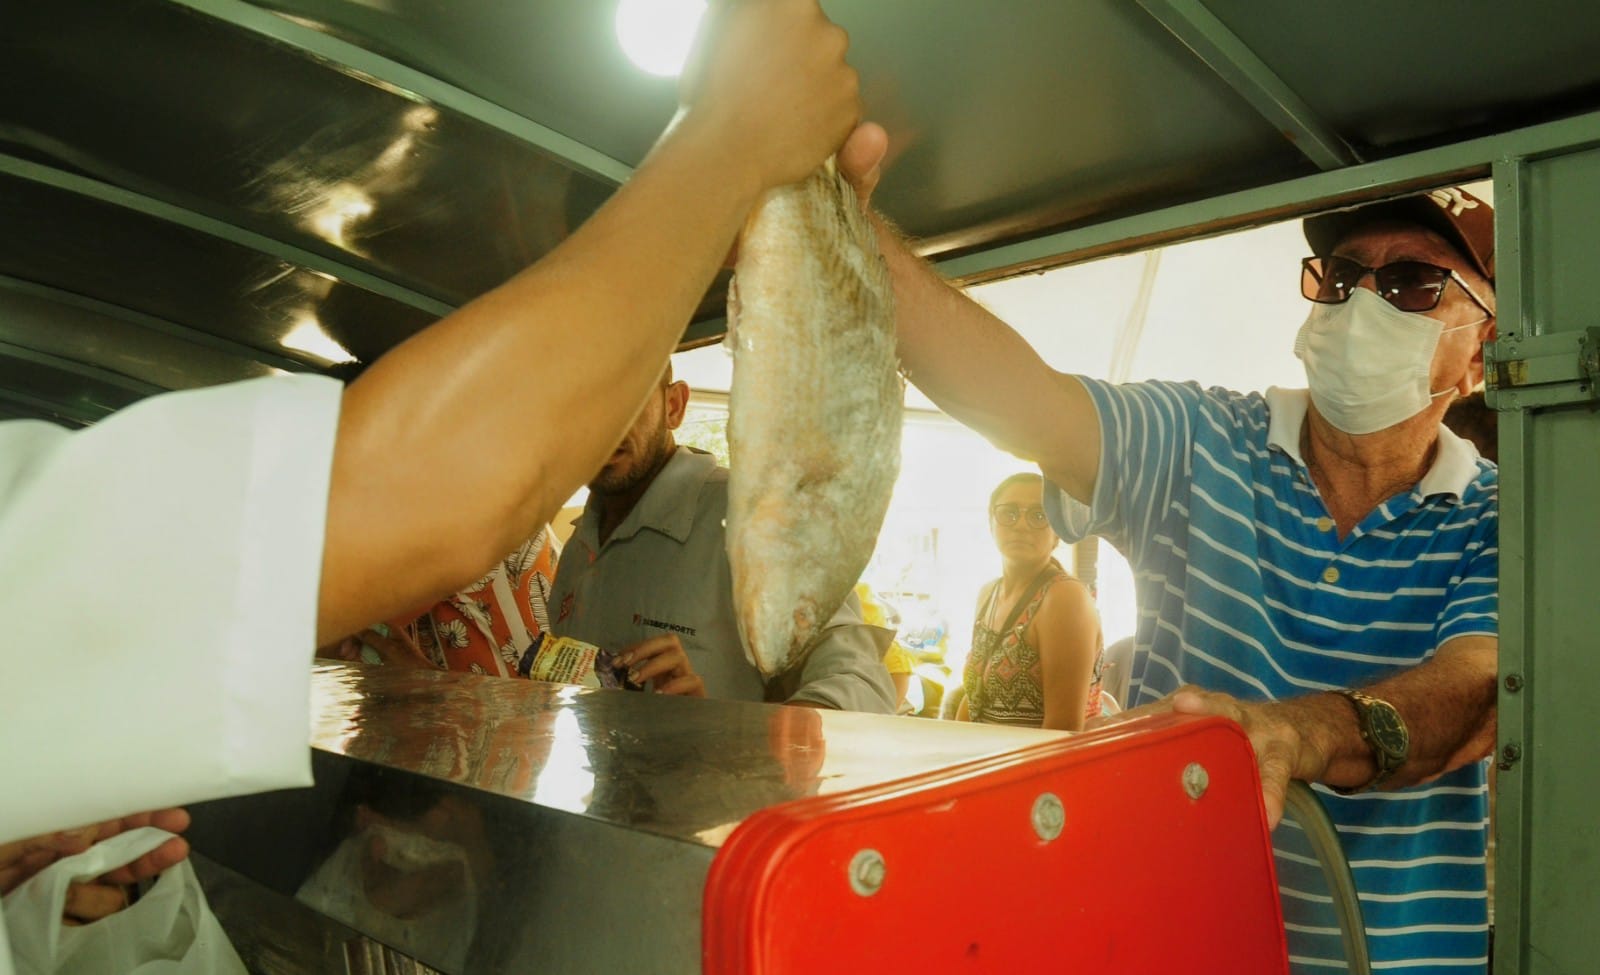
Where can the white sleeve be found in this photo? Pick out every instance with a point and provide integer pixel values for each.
(159, 575)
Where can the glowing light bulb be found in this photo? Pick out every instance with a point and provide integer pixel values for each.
(656, 34)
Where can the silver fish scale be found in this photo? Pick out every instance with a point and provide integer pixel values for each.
(815, 414)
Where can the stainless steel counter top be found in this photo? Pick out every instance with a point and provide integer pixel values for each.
(687, 769)
(481, 824)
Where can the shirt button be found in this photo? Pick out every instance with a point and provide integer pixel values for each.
(1324, 524)
(1330, 575)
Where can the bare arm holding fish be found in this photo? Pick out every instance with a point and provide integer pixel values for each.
(972, 364)
(602, 311)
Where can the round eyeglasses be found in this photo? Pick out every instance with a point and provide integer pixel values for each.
(1009, 514)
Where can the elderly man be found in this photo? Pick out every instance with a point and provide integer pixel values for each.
(645, 574)
(1323, 564)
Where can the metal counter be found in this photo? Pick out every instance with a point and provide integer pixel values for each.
(479, 824)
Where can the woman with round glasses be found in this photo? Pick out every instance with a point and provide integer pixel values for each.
(1036, 645)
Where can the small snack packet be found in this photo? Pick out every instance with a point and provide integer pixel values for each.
(564, 660)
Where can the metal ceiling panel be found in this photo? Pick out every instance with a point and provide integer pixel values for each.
(1192, 22)
(185, 109)
(1395, 75)
(126, 259)
(153, 359)
(1006, 118)
(197, 179)
(70, 392)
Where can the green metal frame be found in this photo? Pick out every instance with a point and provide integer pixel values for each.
(411, 83)
(1547, 898)
(1268, 204)
(120, 313)
(1514, 267)
(138, 387)
(34, 405)
(1233, 61)
(221, 230)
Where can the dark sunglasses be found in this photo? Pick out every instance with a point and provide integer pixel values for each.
(1407, 285)
(1010, 514)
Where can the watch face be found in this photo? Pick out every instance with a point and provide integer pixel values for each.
(1388, 731)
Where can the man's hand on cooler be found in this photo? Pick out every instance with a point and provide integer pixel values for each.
(1282, 733)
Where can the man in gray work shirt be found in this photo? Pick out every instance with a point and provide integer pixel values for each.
(645, 575)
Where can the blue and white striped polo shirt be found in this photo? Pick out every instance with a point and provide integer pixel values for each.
(1244, 587)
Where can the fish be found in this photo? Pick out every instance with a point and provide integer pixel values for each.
(814, 416)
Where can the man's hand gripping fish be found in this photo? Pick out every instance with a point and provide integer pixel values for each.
(814, 423)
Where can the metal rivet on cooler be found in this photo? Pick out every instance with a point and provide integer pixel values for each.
(1196, 780)
(866, 872)
(1048, 816)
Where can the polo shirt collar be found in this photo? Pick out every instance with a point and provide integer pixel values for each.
(668, 506)
(1455, 462)
(1286, 414)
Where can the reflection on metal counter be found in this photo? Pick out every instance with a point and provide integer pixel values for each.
(479, 825)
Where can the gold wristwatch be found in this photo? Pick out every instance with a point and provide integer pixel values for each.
(1384, 731)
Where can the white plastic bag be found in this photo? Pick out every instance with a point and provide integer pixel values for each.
(170, 931)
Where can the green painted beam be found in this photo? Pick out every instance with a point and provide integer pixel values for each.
(412, 84)
(221, 230)
(109, 377)
(1268, 204)
(1223, 52)
(50, 408)
(1546, 898)
(1513, 267)
(703, 332)
(120, 313)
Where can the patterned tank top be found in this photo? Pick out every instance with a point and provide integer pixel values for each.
(1003, 679)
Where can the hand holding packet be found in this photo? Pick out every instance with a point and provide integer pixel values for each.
(564, 660)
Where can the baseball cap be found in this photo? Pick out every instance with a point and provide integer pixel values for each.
(1464, 220)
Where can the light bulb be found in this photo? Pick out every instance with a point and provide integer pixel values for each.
(656, 34)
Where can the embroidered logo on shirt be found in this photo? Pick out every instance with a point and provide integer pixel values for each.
(663, 625)
(566, 607)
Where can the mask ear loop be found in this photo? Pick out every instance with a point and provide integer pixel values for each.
(1446, 331)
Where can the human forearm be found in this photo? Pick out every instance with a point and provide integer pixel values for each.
(1447, 703)
(563, 354)
(980, 371)
(503, 408)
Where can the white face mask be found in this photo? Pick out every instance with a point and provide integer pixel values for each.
(1367, 362)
